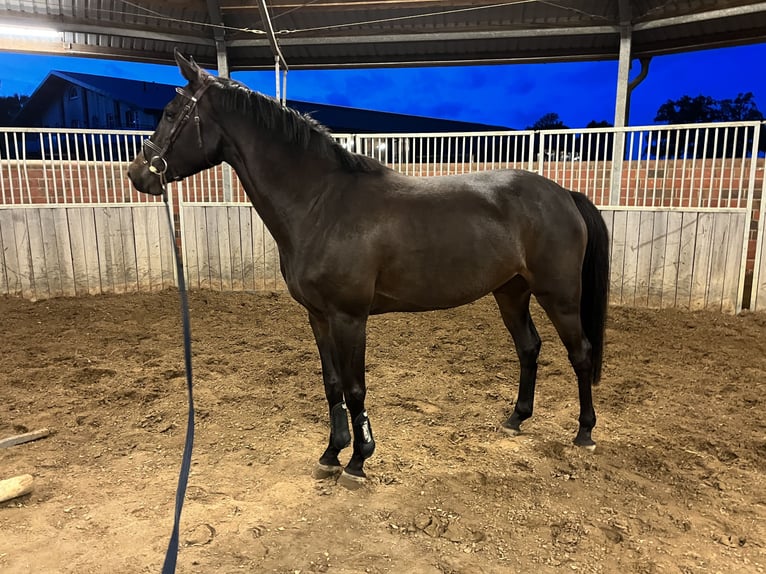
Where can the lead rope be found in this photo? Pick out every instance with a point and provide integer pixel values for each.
(171, 555)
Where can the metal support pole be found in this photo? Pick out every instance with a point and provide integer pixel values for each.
(222, 60)
(620, 115)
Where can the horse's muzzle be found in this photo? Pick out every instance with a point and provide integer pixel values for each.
(142, 179)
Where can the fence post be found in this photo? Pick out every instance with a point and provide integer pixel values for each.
(618, 157)
(228, 177)
(746, 239)
(755, 305)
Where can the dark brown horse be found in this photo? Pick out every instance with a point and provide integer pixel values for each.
(356, 238)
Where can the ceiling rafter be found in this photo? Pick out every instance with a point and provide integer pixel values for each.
(336, 33)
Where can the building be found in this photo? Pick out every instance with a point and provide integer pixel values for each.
(75, 100)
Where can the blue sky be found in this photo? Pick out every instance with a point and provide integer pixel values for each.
(511, 95)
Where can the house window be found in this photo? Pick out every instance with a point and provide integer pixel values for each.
(110, 121)
(131, 119)
(73, 93)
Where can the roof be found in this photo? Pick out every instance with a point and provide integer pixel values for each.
(365, 33)
(151, 96)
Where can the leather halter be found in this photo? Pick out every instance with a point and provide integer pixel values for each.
(158, 164)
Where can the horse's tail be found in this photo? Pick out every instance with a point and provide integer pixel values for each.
(595, 280)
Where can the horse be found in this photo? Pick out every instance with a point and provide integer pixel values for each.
(356, 238)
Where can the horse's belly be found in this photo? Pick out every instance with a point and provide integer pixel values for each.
(432, 286)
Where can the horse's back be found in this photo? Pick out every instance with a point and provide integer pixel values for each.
(446, 241)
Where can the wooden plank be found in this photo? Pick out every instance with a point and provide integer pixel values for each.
(128, 238)
(64, 244)
(21, 238)
(24, 438)
(50, 251)
(82, 234)
(4, 287)
(235, 246)
(608, 217)
(618, 255)
(730, 285)
(143, 258)
(272, 264)
(115, 241)
(213, 251)
(96, 282)
(205, 274)
(644, 257)
(246, 233)
(671, 260)
(39, 273)
(686, 259)
(79, 263)
(657, 260)
(189, 240)
(224, 246)
(163, 244)
(16, 486)
(259, 251)
(10, 255)
(106, 265)
(157, 239)
(630, 262)
(718, 252)
(702, 250)
(758, 297)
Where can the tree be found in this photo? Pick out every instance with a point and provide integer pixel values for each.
(556, 146)
(741, 108)
(705, 109)
(9, 107)
(549, 121)
(597, 145)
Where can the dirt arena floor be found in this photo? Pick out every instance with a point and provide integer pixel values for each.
(677, 483)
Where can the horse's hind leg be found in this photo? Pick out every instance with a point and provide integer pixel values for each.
(513, 301)
(564, 312)
(340, 437)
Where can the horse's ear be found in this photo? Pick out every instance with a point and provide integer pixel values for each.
(189, 68)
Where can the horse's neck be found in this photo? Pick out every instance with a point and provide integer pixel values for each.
(280, 180)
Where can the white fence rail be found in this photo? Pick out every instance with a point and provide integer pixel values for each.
(682, 202)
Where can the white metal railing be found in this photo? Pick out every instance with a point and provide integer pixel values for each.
(692, 166)
(67, 166)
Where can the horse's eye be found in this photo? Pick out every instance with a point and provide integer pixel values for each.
(170, 116)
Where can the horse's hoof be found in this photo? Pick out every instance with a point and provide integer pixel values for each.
(351, 481)
(586, 443)
(509, 431)
(326, 471)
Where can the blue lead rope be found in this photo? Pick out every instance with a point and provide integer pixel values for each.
(171, 555)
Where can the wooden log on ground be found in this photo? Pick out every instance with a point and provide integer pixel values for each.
(22, 438)
(15, 487)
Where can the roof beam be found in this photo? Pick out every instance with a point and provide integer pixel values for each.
(75, 27)
(701, 17)
(219, 34)
(430, 36)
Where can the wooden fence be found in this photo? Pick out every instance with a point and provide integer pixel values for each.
(685, 232)
(66, 250)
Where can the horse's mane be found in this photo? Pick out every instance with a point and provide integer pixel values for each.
(292, 126)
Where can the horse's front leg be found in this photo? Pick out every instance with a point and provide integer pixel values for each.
(340, 437)
(348, 342)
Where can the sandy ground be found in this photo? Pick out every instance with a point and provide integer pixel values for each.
(677, 484)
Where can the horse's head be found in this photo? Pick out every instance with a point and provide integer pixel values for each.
(187, 139)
